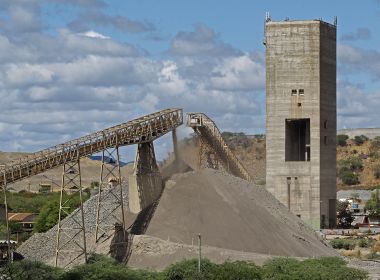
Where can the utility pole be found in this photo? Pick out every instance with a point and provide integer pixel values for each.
(200, 252)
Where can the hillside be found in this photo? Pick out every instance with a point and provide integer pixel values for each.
(90, 170)
(361, 159)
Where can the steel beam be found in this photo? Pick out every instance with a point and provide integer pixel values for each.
(110, 190)
(71, 233)
(213, 149)
(138, 131)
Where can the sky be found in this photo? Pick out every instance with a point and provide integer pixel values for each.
(72, 67)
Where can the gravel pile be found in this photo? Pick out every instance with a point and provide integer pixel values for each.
(42, 246)
(231, 213)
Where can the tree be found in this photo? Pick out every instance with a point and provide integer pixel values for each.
(47, 217)
(373, 204)
(342, 139)
(344, 215)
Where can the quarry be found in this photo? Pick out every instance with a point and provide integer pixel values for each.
(151, 215)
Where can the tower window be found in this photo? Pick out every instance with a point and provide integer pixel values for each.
(301, 91)
(325, 124)
(294, 92)
(297, 140)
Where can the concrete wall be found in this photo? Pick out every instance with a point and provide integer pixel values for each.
(297, 52)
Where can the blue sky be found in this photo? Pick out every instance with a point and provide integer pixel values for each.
(70, 67)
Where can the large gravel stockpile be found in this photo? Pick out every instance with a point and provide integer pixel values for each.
(231, 213)
(41, 246)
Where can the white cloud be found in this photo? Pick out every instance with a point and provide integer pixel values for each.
(94, 34)
(356, 106)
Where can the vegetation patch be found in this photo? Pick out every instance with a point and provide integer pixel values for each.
(100, 267)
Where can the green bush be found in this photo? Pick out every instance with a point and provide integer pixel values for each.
(31, 270)
(104, 268)
(349, 178)
(364, 242)
(330, 268)
(342, 139)
(238, 271)
(340, 243)
(48, 216)
(188, 270)
(356, 163)
(373, 204)
(358, 140)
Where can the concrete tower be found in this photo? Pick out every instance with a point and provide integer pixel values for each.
(301, 117)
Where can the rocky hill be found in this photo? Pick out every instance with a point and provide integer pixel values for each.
(357, 157)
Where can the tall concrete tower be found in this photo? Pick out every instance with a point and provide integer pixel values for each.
(301, 117)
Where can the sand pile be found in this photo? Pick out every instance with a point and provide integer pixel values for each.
(230, 213)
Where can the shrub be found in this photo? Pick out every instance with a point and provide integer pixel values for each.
(356, 163)
(330, 268)
(238, 271)
(188, 270)
(364, 242)
(358, 140)
(373, 204)
(349, 178)
(32, 270)
(340, 243)
(342, 139)
(48, 216)
(101, 267)
(374, 147)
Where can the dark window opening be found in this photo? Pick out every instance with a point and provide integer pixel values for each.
(294, 92)
(297, 140)
(301, 91)
(299, 104)
(325, 124)
(298, 215)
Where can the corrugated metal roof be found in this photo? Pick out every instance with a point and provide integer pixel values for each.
(21, 217)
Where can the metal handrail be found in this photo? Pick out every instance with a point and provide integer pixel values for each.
(207, 129)
(140, 130)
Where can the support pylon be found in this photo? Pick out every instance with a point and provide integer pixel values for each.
(175, 145)
(145, 184)
(9, 249)
(71, 233)
(110, 195)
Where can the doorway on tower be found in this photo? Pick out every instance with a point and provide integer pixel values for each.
(297, 140)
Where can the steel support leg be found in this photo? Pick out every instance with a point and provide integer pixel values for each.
(71, 233)
(110, 195)
(9, 249)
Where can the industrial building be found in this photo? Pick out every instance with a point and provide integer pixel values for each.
(301, 117)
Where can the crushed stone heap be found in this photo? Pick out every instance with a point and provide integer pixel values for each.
(230, 213)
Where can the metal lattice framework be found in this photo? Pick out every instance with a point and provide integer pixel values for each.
(71, 237)
(109, 190)
(141, 130)
(213, 148)
(71, 234)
